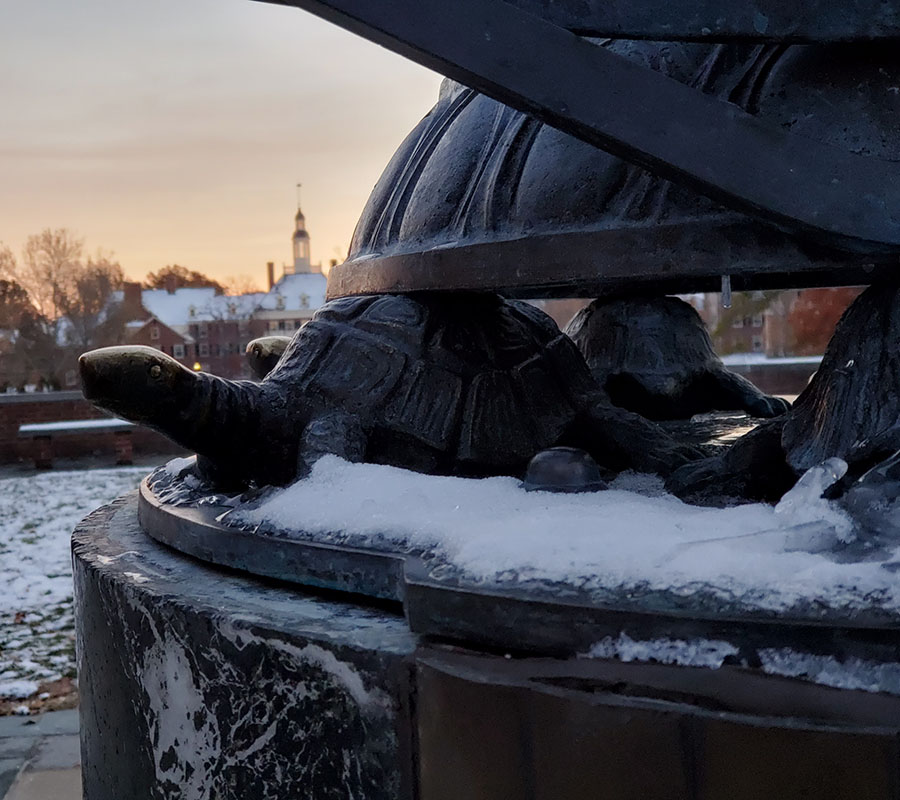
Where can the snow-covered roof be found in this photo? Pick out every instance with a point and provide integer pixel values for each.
(301, 292)
(175, 308)
(239, 306)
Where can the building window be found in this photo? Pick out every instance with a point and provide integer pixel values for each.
(204, 349)
(304, 300)
(757, 320)
(154, 332)
(203, 330)
(71, 377)
(178, 350)
(273, 325)
(232, 309)
(757, 344)
(192, 311)
(279, 302)
(738, 323)
(298, 323)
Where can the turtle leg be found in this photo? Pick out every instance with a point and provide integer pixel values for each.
(754, 468)
(338, 433)
(620, 439)
(729, 391)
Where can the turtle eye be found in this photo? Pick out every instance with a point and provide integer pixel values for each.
(155, 371)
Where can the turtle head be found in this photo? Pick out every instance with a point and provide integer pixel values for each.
(137, 383)
(264, 353)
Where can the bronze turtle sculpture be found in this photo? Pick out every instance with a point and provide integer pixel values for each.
(460, 384)
(850, 410)
(653, 355)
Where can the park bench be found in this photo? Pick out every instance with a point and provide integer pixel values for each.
(43, 433)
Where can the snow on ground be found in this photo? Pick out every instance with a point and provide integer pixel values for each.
(37, 515)
(492, 531)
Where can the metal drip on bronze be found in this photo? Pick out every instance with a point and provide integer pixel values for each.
(325, 640)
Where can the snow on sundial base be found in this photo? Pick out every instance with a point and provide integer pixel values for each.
(631, 540)
(630, 573)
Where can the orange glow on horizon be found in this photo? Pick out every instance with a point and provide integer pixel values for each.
(192, 159)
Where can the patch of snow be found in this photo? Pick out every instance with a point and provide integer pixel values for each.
(15, 690)
(301, 291)
(37, 516)
(21, 711)
(175, 309)
(492, 531)
(75, 424)
(643, 483)
(754, 359)
(709, 653)
(176, 466)
(854, 673)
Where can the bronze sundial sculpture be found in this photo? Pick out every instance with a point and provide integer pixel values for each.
(771, 164)
(610, 149)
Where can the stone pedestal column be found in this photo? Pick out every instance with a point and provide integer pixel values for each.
(198, 683)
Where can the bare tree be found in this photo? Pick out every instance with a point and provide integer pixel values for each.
(27, 351)
(174, 276)
(8, 266)
(50, 261)
(88, 307)
(55, 304)
(240, 284)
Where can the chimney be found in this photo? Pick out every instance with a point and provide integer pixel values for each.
(270, 267)
(170, 284)
(131, 297)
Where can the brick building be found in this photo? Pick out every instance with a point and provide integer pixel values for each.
(206, 330)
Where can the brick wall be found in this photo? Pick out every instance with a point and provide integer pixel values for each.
(20, 409)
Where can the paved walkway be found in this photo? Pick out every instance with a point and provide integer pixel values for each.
(39, 757)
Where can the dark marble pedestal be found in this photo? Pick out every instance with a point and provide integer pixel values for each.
(198, 683)
(202, 683)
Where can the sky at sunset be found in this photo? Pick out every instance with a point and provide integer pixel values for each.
(175, 132)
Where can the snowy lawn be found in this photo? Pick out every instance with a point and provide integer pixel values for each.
(37, 515)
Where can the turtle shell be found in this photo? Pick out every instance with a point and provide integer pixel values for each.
(483, 197)
(474, 379)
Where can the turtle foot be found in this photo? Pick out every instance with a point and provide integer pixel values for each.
(753, 469)
(622, 440)
(768, 406)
